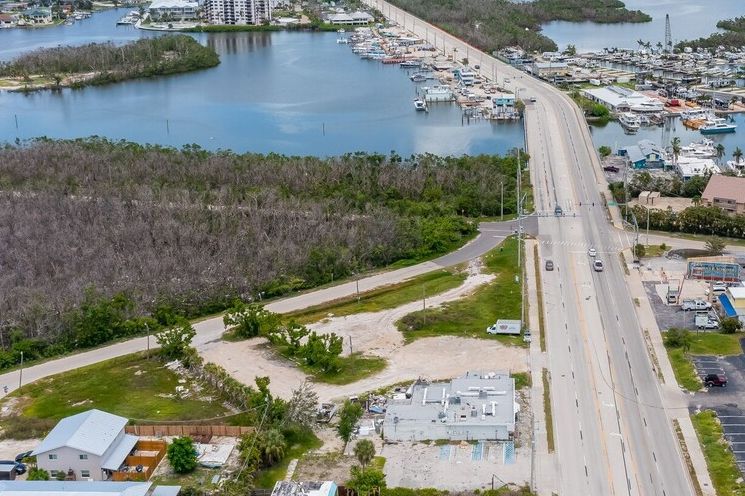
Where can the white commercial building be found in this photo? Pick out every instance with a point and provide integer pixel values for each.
(620, 99)
(237, 12)
(478, 406)
(689, 167)
(353, 19)
(174, 10)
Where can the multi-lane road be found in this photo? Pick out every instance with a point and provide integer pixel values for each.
(614, 436)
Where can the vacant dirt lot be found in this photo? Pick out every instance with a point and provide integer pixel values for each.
(375, 334)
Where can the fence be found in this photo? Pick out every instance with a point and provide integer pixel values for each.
(148, 462)
(161, 430)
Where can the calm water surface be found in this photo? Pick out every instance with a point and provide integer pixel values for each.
(290, 93)
(689, 19)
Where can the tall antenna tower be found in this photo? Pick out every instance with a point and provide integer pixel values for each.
(668, 36)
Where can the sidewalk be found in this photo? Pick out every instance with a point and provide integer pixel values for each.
(545, 468)
(673, 397)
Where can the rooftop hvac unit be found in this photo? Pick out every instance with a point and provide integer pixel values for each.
(474, 413)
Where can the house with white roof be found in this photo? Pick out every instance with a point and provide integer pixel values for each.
(620, 99)
(84, 488)
(174, 9)
(88, 446)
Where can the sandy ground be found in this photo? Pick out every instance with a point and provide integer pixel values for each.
(375, 334)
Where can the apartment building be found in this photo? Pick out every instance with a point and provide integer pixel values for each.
(239, 12)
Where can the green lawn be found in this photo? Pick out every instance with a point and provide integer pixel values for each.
(703, 343)
(351, 369)
(522, 380)
(130, 386)
(547, 411)
(469, 317)
(298, 443)
(719, 459)
(383, 298)
(685, 372)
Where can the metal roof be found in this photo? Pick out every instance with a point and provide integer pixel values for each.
(92, 432)
(117, 456)
(73, 488)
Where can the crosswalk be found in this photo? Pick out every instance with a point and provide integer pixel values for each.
(584, 246)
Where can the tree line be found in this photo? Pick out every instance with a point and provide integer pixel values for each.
(495, 24)
(734, 36)
(104, 240)
(110, 63)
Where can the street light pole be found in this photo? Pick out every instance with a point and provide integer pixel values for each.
(501, 202)
(20, 377)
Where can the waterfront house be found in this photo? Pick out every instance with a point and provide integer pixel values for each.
(548, 70)
(7, 21)
(725, 192)
(646, 154)
(503, 105)
(88, 446)
(466, 76)
(175, 10)
(39, 15)
(237, 12)
(688, 167)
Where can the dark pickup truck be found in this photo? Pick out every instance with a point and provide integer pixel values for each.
(610, 168)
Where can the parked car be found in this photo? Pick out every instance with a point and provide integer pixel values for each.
(598, 266)
(549, 265)
(718, 288)
(592, 252)
(710, 324)
(610, 168)
(21, 456)
(526, 336)
(695, 305)
(712, 380)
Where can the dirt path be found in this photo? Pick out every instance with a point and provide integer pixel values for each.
(375, 334)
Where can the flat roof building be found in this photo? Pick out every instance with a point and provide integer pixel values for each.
(620, 99)
(689, 167)
(477, 406)
(305, 488)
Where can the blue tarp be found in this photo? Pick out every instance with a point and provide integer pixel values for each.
(729, 309)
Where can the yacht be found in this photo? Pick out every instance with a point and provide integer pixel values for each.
(438, 93)
(420, 105)
(629, 121)
(702, 149)
(717, 126)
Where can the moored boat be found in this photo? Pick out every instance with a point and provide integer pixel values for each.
(717, 126)
(420, 105)
(629, 121)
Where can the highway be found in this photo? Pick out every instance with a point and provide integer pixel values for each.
(613, 434)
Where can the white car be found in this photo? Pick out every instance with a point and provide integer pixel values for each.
(598, 266)
(710, 324)
(695, 305)
(592, 252)
(719, 288)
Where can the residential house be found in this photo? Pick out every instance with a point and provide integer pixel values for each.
(175, 10)
(88, 446)
(40, 15)
(645, 154)
(7, 21)
(688, 167)
(237, 12)
(465, 76)
(477, 406)
(725, 192)
(503, 104)
(81, 488)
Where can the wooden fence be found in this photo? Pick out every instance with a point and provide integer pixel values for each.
(148, 462)
(161, 430)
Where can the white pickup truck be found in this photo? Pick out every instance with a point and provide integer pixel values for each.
(695, 305)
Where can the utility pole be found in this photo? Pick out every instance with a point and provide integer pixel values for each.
(20, 377)
(147, 329)
(424, 304)
(501, 203)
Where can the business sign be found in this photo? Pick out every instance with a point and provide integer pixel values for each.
(713, 271)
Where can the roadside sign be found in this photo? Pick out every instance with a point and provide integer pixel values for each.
(713, 271)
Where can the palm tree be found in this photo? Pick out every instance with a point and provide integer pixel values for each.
(720, 152)
(737, 154)
(364, 450)
(676, 149)
(659, 46)
(640, 42)
(273, 446)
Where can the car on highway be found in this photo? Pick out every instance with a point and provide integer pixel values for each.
(598, 266)
(549, 265)
(695, 305)
(712, 380)
(532, 99)
(558, 211)
(592, 252)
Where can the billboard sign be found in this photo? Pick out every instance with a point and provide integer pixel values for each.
(713, 271)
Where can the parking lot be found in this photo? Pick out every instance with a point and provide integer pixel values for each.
(732, 419)
(668, 316)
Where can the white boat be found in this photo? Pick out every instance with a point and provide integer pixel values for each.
(695, 114)
(420, 105)
(342, 40)
(438, 93)
(648, 106)
(717, 126)
(702, 149)
(629, 121)
(410, 64)
(418, 77)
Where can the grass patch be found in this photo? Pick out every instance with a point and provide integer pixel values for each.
(201, 477)
(547, 412)
(719, 459)
(383, 298)
(299, 442)
(539, 294)
(131, 386)
(653, 251)
(470, 316)
(687, 458)
(685, 372)
(350, 369)
(624, 264)
(522, 380)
